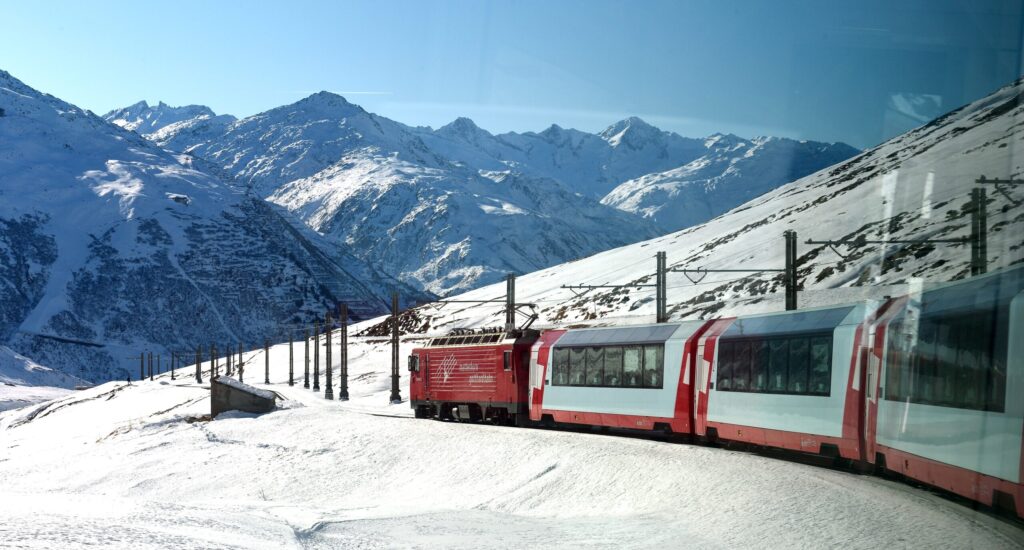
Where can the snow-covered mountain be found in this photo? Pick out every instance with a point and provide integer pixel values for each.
(450, 229)
(375, 186)
(432, 206)
(917, 185)
(145, 119)
(110, 246)
(590, 164)
(732, 171)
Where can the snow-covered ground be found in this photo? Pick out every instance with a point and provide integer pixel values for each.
(136, 467)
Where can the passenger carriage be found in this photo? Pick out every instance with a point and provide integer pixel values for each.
(636, 377)
(946, 388)
(785, 380)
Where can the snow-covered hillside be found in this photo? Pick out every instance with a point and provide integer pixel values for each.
(435, 208)
(140, 466)
(732, 171)
(145, 119)
(914, 186)
(111, 246)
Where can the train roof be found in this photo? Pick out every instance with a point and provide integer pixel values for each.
(637, 334)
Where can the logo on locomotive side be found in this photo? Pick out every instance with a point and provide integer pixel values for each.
(447, 366)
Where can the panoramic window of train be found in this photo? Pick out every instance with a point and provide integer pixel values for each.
(759, 366)
(955, 361)
(632, 367)
(560, 368)
(725, 358)
(778, 365)
(654, 366)
(595, 366)
(577, 366)
(612, 366)
(820, 382)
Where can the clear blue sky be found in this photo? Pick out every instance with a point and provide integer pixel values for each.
(857, 72)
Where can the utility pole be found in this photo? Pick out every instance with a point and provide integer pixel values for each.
(199, 364)
(214, 368)
(790, 275)
(142, 366)
(316, 355)
(510, 303)
(227, 359)
(174, 361)
(979, 232)
(343, 367)
(329, 392)
(978, 239)
(789, 278)
(151, 365)
(305, 357)
(266, 361)
(660, 291)
(291, 361)
(396, 397)
(240, 363)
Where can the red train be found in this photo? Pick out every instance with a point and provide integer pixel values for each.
(927, 385)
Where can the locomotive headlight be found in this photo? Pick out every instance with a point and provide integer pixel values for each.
(414, 363)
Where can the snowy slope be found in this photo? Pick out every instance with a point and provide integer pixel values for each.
(914, 186)
(111, 246)
(732, 172)
(145, 119)
(137, 466)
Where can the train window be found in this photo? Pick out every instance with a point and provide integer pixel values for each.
(577, 366)
(613, 366)
(820, 382)
(632, 367)
(741, 367)
(956, 361)
(778, 363)
(654, 366)
(561, 367)
(726, 351)
(595, 366)
(798, 351)
(759, 366)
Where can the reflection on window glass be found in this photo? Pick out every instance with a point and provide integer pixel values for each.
(577, 366)
(778, 365)
(613, 366)
(821, 365)
(561, 367)
(726, 350)
(654, 367)
(956, 360)
(595, 366)
(632, 368)
(759, 366)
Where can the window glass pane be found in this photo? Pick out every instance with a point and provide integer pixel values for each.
(741, 367)
(924, 385)
(654, 367)
(561, 368)
(577, 365)
(759, 366)
(631, 367)
(821, 366)
(798, 356)
(726, 350)
(951, 375)
(778, 365)
(595, 366)
(895, 355)
(613, 366)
